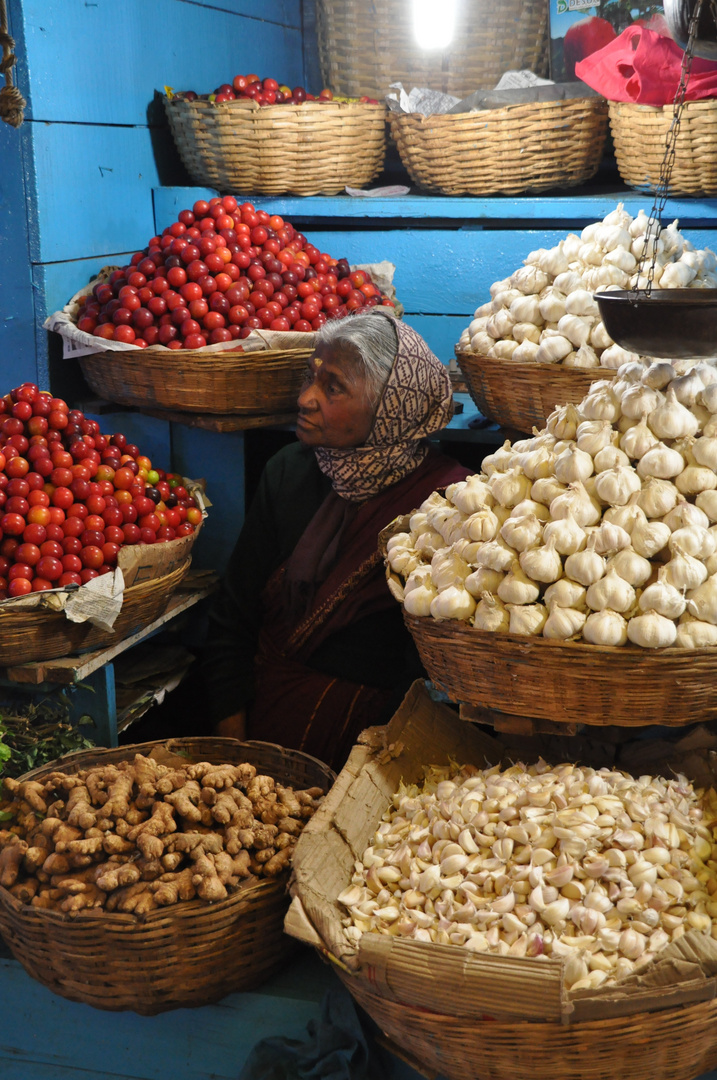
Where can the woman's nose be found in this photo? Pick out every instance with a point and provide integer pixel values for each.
(307, 398)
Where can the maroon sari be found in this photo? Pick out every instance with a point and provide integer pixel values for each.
(306, 709)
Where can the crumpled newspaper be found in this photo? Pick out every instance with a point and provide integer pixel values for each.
(514, 87)
(98, 601)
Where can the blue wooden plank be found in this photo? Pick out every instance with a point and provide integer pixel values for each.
(93, 190)
(198, 1044)
(125, 52)
(17, 304)
(441, 332)
(219, 458)
(567, 210)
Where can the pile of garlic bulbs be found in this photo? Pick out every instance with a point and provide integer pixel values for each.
(600, 528)
(546, 313)
(594, 867)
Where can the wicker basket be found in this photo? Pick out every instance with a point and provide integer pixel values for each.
(309, 149)
(187, 955)
(479, 1016)
(263, 382)
(568, 682)
(522, 396)
(32, 636)
(639, 133)
(672, 1044)
(530, 147)
(364, 48)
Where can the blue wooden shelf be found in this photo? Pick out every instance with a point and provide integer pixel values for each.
(415, 210)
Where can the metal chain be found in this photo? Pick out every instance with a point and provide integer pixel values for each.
(654, 226)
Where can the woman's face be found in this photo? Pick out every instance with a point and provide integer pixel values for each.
(334, 409)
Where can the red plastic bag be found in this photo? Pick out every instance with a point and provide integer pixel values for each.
(644, 67)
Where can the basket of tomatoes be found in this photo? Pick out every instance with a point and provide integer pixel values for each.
(94, 540)
(216, 315)
(260, 137)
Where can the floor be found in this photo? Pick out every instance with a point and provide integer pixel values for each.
(45, 1037)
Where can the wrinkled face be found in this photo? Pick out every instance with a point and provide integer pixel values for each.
(334, 409)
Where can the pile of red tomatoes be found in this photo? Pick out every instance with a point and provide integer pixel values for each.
(71, 497)
(217, 273)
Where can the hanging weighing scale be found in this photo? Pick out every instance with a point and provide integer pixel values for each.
(670, 323)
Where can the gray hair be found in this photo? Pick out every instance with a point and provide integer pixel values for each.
(374, 337)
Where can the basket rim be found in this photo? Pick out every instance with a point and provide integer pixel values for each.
(270, 111)
(479, 116)
(486, 638)
(248, 888)
(557, 370)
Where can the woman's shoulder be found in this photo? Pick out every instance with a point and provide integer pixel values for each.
(294, 469)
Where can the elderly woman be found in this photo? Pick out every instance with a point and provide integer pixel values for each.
(306, 645)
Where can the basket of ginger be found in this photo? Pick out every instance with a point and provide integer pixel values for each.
(153, 876)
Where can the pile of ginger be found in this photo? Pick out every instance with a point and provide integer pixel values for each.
(140, 835)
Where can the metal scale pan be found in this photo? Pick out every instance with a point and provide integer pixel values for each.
(669, 323)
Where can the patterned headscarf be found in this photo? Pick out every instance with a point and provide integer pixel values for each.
(417, 401)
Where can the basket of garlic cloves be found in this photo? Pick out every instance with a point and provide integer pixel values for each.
(575, 577)
(482, 909)
(539, 341)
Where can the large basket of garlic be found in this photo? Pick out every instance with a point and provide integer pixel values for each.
(558, 917)
(575, 578)
(544, 318)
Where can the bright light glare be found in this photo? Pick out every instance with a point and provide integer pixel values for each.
(434, 22)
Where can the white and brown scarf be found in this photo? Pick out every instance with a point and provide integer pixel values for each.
(417, 401)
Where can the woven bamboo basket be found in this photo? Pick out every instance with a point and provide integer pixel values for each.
(672, 1044)
(261, 383)
(568, 682)
(32, 636)
(189, 954)
(309, 149)
(522, 396)
(480, 1016)
(639, 133)
(365, 48)
(529, 147)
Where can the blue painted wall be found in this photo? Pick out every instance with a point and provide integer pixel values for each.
(76, 180)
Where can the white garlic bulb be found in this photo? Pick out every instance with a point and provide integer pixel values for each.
(637, 440)
(529, 279)
(546, 489)
(639, 400)
(663, 598)
(611, 591)
(600, 404)
(503, 349)
(649, 538)
(482, 525)
(448, 569)
(573, 464)
(542, 563)
(575, 500)
(565, 593)
(565, 535)
(418, 601)
(694, 479)
(472, 496)
(702, 601)
(510, 487)
(659, 374)
(527, 619)
(610, 538)
(500, 324)
(526, 352)
(552, 349)
(657, 497)
(454, 602)
(670, 420)
(661, 461)
(651, 631)
(706, 501)
(635, 569)
(563, 624)
(517, 588)
(529, 506)
(693, 540)
(584, 357)
(576, 328)
(684, 571)
(694, 634)
(599, 337)
(482, 343)
(496, 555)
(605, 628)
(522, 532)
(554, 261)
(482, 580)
(615, 356)
(685, 513)
(586, 566)
(610, 457)
(526, 331)
(616, 486)
(490, 614)
(563, 421)
(594, 435)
